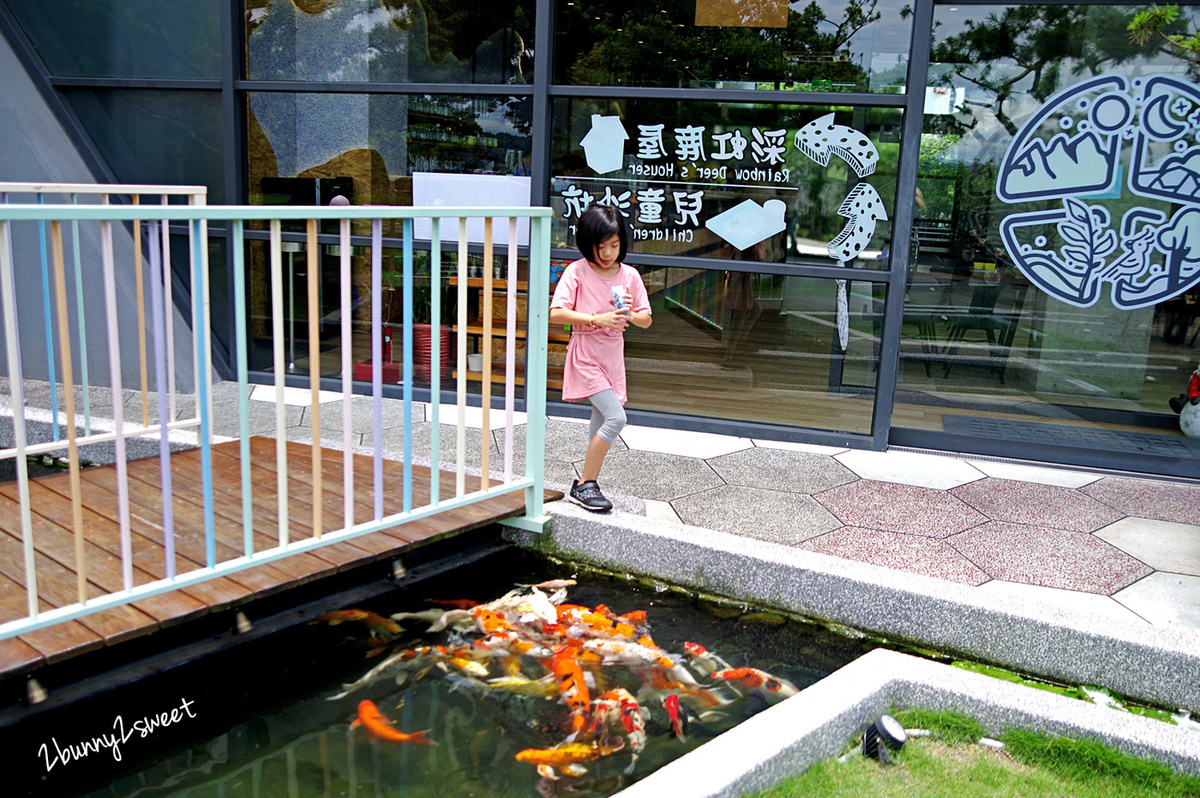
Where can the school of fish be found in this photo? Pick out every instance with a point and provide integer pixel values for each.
(602, 669)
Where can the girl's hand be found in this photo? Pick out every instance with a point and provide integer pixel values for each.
(613, 320)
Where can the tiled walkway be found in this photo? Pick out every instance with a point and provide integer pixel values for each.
(1124, 547)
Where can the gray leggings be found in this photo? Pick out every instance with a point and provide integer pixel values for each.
(608, 417)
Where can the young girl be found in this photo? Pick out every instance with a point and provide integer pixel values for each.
(599, 296)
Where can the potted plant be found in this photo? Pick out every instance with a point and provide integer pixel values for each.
(424, 294)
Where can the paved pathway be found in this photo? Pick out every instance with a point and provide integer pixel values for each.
(1107, 543)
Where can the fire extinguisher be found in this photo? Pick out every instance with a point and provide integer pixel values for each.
(387, 346)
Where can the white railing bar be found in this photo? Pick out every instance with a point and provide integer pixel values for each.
(13, 353)
(377, 361)
(347, 374)
(114, 365)
(460, 462)
(510, 344)
(314, 371)
(158, 311)
(277, 313)
(101, 437)
(99, 188)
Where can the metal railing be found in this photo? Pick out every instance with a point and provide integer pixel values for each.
(69, 330)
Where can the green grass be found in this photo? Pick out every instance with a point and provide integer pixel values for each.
(951, 765)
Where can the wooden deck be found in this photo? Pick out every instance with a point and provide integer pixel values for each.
(50, 499)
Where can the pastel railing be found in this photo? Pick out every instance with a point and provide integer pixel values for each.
(61, 227)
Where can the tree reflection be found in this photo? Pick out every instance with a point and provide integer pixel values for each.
(617, 43)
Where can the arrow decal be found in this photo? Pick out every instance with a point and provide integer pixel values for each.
(863, 207)
(821, 138)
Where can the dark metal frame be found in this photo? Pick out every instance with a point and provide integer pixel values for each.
(234, 90)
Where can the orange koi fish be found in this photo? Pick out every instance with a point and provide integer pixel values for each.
(371, 719)
(376, 623)
(571, 685)
(754, 679)
(567, 756)
(458, 604)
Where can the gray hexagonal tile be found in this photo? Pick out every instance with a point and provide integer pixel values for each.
(797, 472)
(654, 476)
(1160, 544)
(770, 515)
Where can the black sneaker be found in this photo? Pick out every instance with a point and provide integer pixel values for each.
(588, 496)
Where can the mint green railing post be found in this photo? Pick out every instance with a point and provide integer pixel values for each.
(535, 369)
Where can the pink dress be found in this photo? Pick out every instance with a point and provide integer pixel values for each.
(595, 355)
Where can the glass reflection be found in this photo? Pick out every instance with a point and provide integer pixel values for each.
(757, 347)
(700, 178)
(389, 41)
(125, 38)
(998, 321)
(156, 137)
(835, 45)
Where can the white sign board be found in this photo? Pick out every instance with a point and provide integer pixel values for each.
(434, 189)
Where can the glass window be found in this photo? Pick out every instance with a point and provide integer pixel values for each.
(835, 45)
(1054, 270)
(124, 38)
(304, 148)
(776, 183)
(435, 41)
(154, 136)
(757, 347)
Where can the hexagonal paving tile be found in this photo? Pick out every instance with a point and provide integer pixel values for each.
(769, 515)
(654, 476)
(899, 508)
(910, 468)
(682, 442)
(1159, 544)
(1030, 503)
(566, 441)
(912, 553)
(1049, 557)
(796, 472)
(1165, 599)
(1145, 498)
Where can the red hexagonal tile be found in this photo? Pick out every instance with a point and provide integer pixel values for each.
(899, 508)
(1049, 557)
(1031, 503)
(916, 554)
(1146, 498)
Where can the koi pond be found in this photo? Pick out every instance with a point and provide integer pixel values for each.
(535, 681)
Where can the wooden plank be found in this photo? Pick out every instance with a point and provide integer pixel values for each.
(17, 656)
(145, 521)
(63, 641)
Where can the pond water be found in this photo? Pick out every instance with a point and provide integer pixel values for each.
(263, 720)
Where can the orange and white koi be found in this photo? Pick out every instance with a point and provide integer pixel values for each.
(374, 721)
(754, 679)
(552, 584)
(567, 756)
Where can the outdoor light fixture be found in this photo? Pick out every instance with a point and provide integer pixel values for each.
(885, 733)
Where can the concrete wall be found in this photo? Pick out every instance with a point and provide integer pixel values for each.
(35, 148)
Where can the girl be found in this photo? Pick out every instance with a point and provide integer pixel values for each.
(599, 296)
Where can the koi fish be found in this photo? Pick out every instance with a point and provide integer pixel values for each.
(376, 623)
(571, 686)
(567, 756)
(634, 723)
(677, 716)
(371, 719)
(458, 604)
(545, 687)
(703, 660)
(754, 679)
(552, 584)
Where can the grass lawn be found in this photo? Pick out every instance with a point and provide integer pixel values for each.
(951, 765)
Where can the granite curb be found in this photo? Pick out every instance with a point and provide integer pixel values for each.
(791, 736)
(1154, 664)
